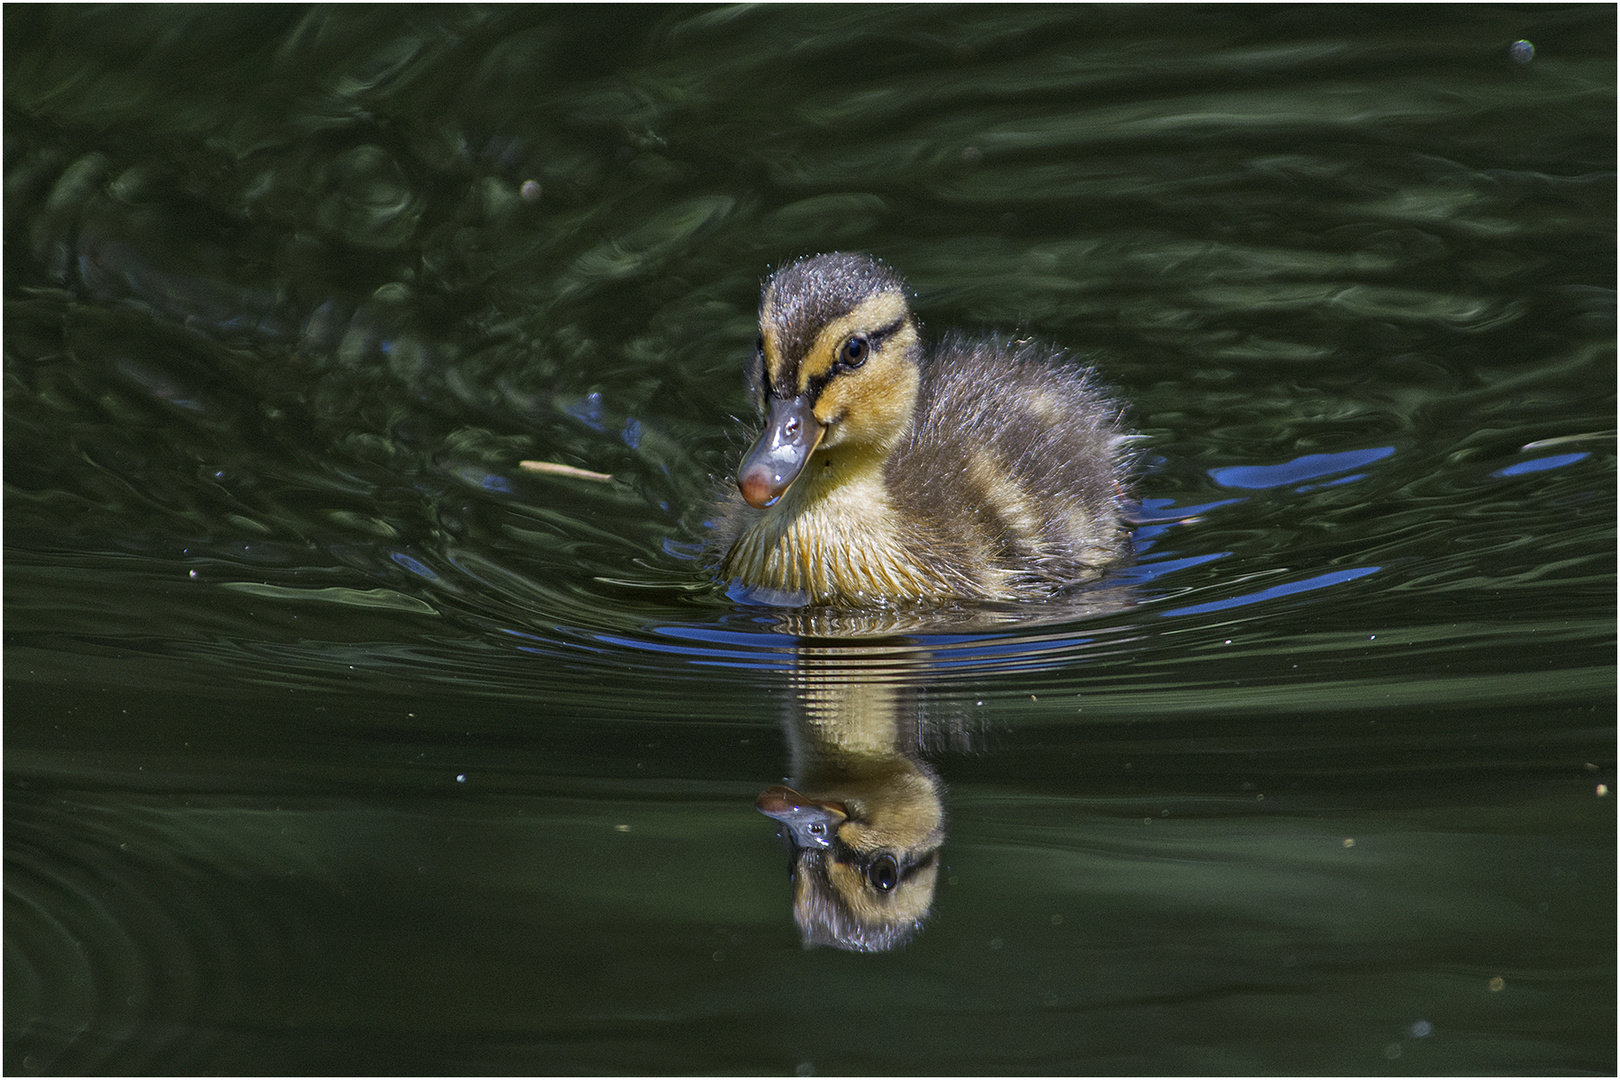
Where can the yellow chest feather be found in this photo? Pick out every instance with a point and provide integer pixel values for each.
(836, 543)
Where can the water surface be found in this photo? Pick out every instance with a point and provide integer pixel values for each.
(339, 741)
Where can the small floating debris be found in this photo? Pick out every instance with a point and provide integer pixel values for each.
(555, 468)
(1565, 440)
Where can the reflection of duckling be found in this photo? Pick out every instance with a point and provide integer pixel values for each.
(984, 471)
(867, 831)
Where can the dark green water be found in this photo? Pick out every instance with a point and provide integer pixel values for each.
(336, 741)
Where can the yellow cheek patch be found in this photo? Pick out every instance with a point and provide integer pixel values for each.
(910, 899)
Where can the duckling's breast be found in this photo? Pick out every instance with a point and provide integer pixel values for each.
(843, 543)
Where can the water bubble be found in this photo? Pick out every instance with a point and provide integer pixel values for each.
(1421, 1029)
(1522, 51)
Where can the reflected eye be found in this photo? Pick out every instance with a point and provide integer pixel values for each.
(884, 873)
(854, 352)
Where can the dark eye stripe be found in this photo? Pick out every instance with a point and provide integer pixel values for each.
(874, 341)
(911, 871)
(877, 337)
(843, 853)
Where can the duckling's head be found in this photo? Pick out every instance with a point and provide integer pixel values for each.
(835, 370)
(865, 863)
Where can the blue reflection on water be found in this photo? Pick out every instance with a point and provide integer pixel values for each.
(587, 410)
(682, 549)
(1309, 467)
(1320, 581)
(1142, 572)
(1352, 478)
(1155, 516)
(722, 637)
(708, 656)
(1164, 510)
(414, 566)
(1541, 464)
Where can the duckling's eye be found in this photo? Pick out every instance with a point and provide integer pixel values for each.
(854, 352)
(884, 873)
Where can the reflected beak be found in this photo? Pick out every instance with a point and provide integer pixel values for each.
(791, 435)
(813, 824)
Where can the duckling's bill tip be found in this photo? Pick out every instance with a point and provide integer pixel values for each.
(758, 489)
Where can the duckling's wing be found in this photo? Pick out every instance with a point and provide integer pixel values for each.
(1017, 455)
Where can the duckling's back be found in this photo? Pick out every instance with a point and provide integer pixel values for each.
(1013, 468)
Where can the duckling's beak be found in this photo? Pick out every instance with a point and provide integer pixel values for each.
(791, 435)
(812, 823)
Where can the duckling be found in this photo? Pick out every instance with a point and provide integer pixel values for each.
(867, 830)
(986, 470)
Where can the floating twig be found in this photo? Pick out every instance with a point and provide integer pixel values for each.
(553, 468)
